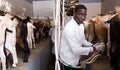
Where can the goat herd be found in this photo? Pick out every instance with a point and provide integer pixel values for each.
(104, 30)
(24, 32)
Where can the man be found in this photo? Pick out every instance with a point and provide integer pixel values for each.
(73, 42)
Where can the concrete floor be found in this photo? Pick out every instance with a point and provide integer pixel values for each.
(102, 63)
(34, 53)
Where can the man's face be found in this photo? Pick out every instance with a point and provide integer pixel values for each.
(81, 15)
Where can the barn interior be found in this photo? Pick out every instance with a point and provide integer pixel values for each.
(41, 57)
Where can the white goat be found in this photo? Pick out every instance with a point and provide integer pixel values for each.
(30, 36)
(10, 40)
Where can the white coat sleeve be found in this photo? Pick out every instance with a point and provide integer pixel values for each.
(74, 45)
(86, 43)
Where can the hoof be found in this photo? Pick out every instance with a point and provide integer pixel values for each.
(13, 65)
(25, 60)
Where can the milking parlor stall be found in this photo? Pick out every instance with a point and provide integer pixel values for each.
(31, 32)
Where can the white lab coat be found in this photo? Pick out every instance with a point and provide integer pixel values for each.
(72, 42)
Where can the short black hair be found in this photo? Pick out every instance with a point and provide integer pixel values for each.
(80, 7)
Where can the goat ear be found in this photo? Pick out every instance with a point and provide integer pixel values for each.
(98, 18)
(117, 9)
(108, 21)
(92, 20)
(112, 18)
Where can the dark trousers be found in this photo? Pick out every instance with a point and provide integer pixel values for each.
(88, 67)
(69, 68)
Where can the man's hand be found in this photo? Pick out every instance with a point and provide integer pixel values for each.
(99, 47)
(93, 48)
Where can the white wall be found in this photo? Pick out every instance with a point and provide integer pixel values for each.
(93, 9)
(108, 5)
(43, 9)
(22, 7)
